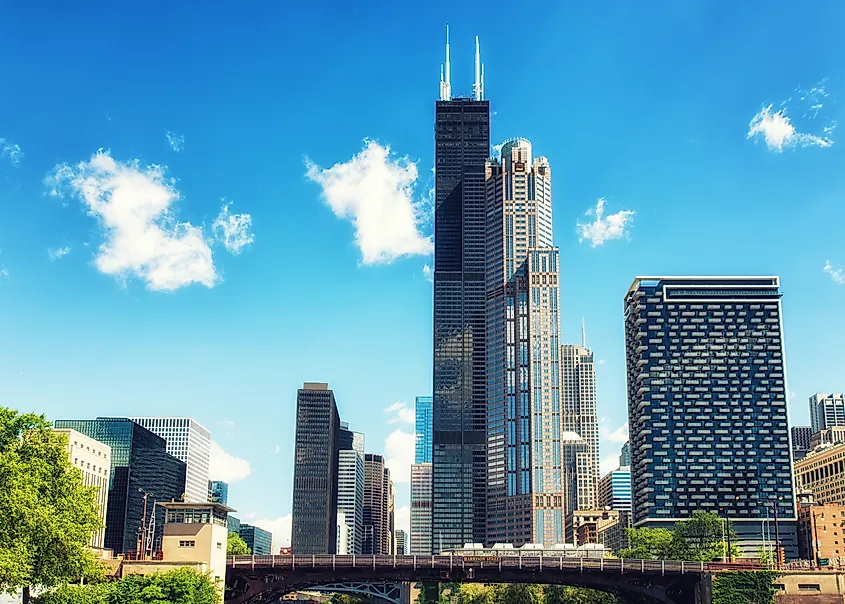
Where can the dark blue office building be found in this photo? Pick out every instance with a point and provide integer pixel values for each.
(707, 404)
(260, 542)
(218, 491)
(139, 464)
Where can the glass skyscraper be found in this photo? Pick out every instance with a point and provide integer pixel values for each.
(625, 454)
(707, 404)
(189, 441)
(140, 464)
(350, 487)
(423, 430)
(260, 542)
(615, 490)
(459, 459)
(315, 470)
(218, 492)
(421, 509)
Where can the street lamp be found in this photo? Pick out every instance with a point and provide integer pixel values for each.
(774, 501)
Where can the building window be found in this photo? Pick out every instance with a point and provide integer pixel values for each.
(220, 546)
(809, 587)
(188, 543)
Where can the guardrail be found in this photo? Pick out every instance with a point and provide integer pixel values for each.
(531, 563)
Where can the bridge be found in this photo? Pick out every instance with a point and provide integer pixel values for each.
(255, 579)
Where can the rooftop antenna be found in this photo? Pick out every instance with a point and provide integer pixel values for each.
(445, 82)
(478, 87)
(583, 333)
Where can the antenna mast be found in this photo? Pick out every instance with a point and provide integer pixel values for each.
(583, 333)
(445, 82)
(478, 87)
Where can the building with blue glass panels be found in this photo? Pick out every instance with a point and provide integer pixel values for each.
(707, 404)
(139, 464)
(423, 429)
(218, 491)
(260, 542)
(615, 490)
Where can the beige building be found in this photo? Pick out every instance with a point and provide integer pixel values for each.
(93, 459)
(828, 436)
(584, 526)
(822, 473)
(578, 415)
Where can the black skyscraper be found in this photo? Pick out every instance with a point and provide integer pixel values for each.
(459, 464)
(318, 434)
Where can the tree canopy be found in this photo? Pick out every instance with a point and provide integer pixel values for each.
(702, 538)
(236, 546)
(47, 514)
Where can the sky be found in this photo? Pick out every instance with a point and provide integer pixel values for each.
(203, 208)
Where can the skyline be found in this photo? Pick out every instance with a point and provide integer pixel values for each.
(677, 156)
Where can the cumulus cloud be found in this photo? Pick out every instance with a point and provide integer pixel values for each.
(608, 464)
(619, 435)
(604, 228)
(233, 230)
(58, 253)
(226, 467)
(375, 191)
(134, 205)
(400, 412)
(428, 273)
(497, 150)
(279, 527)
(837, 274)
(176, 141)
(402, 519)
(399, 447)
(777, 130)
(11, 151)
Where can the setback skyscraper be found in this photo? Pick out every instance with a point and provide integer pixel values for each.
(190, 442)
(525, 493)
(459, 461)
(315, 471)
(140, 465)
(707, 404)
(424, 429)
(378, 504)
(578, 398)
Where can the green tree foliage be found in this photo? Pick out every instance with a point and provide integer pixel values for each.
(429, 593)
(47, 514)
(346, 599)
(744, 587)
(700, 538)
(179, 586)
(560, 594)
(517, 593)
(474, 593)
(650, 544)
(236, 546)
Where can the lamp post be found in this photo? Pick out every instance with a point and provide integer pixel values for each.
(774, 502)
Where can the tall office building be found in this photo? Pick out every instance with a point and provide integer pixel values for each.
(421, 510)
(525, 493)
(424, 428)
(707, 404)
(826, 411)
(93, 460)
(615, 490)
(140, 465)
(189, 441)
(218, 491)
(801, 437)
(315, 471)
(401, 539)
(260, 542)
(578, 400)
(625, 454)
(350, 486)
(378, 503)
(459, 460)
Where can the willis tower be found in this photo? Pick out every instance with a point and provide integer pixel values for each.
(459, 464)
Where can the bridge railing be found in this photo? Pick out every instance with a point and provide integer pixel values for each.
(529, 563)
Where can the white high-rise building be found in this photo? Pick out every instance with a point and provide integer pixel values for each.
(578, 415)
(188, 441)
(421, 509)
(344, 541)
(93, 459)
(350, 487)
(826, 411)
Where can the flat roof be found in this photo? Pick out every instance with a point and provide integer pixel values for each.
(186, 505)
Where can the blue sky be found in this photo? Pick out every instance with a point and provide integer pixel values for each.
(236, 236)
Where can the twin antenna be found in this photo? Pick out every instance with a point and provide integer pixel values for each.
(446, 76)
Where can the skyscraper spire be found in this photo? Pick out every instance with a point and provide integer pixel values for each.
(583, 332)
(478, 86)
(445, 83)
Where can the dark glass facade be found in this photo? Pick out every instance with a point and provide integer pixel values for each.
(260, 542)
(139, 464)
(459, 461)
(218, 492)
(707, 404)
(315, 471)
(801, 436)
(423, 429)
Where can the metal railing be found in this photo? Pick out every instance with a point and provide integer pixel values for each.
(528, 563)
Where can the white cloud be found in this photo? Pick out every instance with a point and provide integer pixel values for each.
(4, 273)
(401, 412)
(604, 228)
(399, 447)
(837, 274)
(280, 528)
(233, 230)
(608, 464)
(497, 150)
(402, 519)
(620, 435)
(226, 467)
(375, 191)
(58, 253)
(11, 150)
(428, 273)
(779, 133)
(176, 141)
(143, 238)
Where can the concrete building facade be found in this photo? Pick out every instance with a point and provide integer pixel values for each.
(827, 411)
(421, 543)
(378, 504)
(822, 473)
(350, 487)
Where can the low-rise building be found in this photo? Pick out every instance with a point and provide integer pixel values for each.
(583, 526)
(821, 532)
(613, 535)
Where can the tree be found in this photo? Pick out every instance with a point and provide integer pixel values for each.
(47, 514)
(236, 546)
(474, 593)
(429, 592)
(650, 544)
(182, 585)
(701, 537)
(517, 593)
(559, 594)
